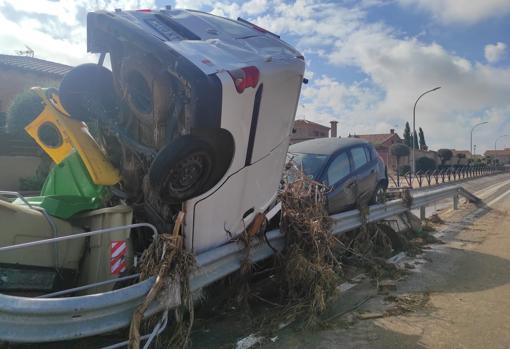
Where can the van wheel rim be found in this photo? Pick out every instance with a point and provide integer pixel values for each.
(188, 172)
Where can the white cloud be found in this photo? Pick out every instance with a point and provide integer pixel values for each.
(398, 69)
(55, 30)
(394, 69)
(254, 7)
(493, 53)
(461, 11)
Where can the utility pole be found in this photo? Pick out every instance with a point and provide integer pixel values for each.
(472, 129)
(413, 164)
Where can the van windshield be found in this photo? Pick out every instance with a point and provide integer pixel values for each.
(311, 164)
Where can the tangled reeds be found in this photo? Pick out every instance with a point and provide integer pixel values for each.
(313, 261)
(171, 264)
(310, 268)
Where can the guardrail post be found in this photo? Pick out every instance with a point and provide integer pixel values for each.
(456, 202)
(422, 213)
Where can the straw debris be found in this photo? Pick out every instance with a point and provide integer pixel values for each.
(171, 264)
(310, 268)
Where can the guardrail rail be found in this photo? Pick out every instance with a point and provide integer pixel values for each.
(42, 319)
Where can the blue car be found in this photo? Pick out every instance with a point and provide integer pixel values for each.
(351, 167)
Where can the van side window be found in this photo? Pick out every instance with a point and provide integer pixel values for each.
(359, 157)
(339, 168)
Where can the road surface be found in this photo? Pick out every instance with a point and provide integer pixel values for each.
(457, 295)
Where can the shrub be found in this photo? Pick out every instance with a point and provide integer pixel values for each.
(460, 156)
(399, 150)
(425, 164)
(25, 108)
(404, 169)
(444, 155)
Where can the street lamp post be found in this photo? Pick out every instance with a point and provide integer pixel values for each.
(472, 129)
(413, 164)
(496, 142)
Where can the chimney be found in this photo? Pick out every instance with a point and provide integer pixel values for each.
(334, 128)
(392, 130)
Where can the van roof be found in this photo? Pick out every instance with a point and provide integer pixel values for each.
(222, 41)
(324, 146)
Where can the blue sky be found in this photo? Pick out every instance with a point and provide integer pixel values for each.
(367, 60)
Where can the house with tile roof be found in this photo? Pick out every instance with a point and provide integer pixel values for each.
(382, 143)
(19, 73)
(503, 155)
(304, 130)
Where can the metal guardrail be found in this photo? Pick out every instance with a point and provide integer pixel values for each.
(42, 319)
(443, 175)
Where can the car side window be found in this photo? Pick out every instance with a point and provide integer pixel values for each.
(367, 153)
(339, 168)
(359, 157)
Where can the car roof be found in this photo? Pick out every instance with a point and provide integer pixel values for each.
(324, 146)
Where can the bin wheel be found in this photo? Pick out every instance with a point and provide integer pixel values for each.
(182, 169)
(87, 93)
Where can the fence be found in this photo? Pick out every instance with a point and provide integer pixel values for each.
(439, 176)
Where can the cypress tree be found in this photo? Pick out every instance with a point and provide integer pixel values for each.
(407, 135)
(423, 145)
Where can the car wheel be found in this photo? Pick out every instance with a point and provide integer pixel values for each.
(87, 93)
(182, 169)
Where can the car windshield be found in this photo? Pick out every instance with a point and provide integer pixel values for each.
(311, 164)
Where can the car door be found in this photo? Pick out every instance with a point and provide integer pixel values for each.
(364, 171)
(339, 177)
(374, 171)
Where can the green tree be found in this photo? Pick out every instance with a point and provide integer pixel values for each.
(407, 135)
(423, 145)
(399, 150)
(25, 108)
(425, 164)
(415, 140)
(444, 155)
(460, 156)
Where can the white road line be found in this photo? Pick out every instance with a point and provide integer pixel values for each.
(499, 198)
(486, 192)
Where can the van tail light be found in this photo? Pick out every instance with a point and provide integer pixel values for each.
(245, 77)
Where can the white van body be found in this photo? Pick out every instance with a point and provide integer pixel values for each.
(259, 117)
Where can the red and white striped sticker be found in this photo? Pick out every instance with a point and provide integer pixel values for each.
(118, 262)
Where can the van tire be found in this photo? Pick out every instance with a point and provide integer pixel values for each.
(182, 169)
(87, 93)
